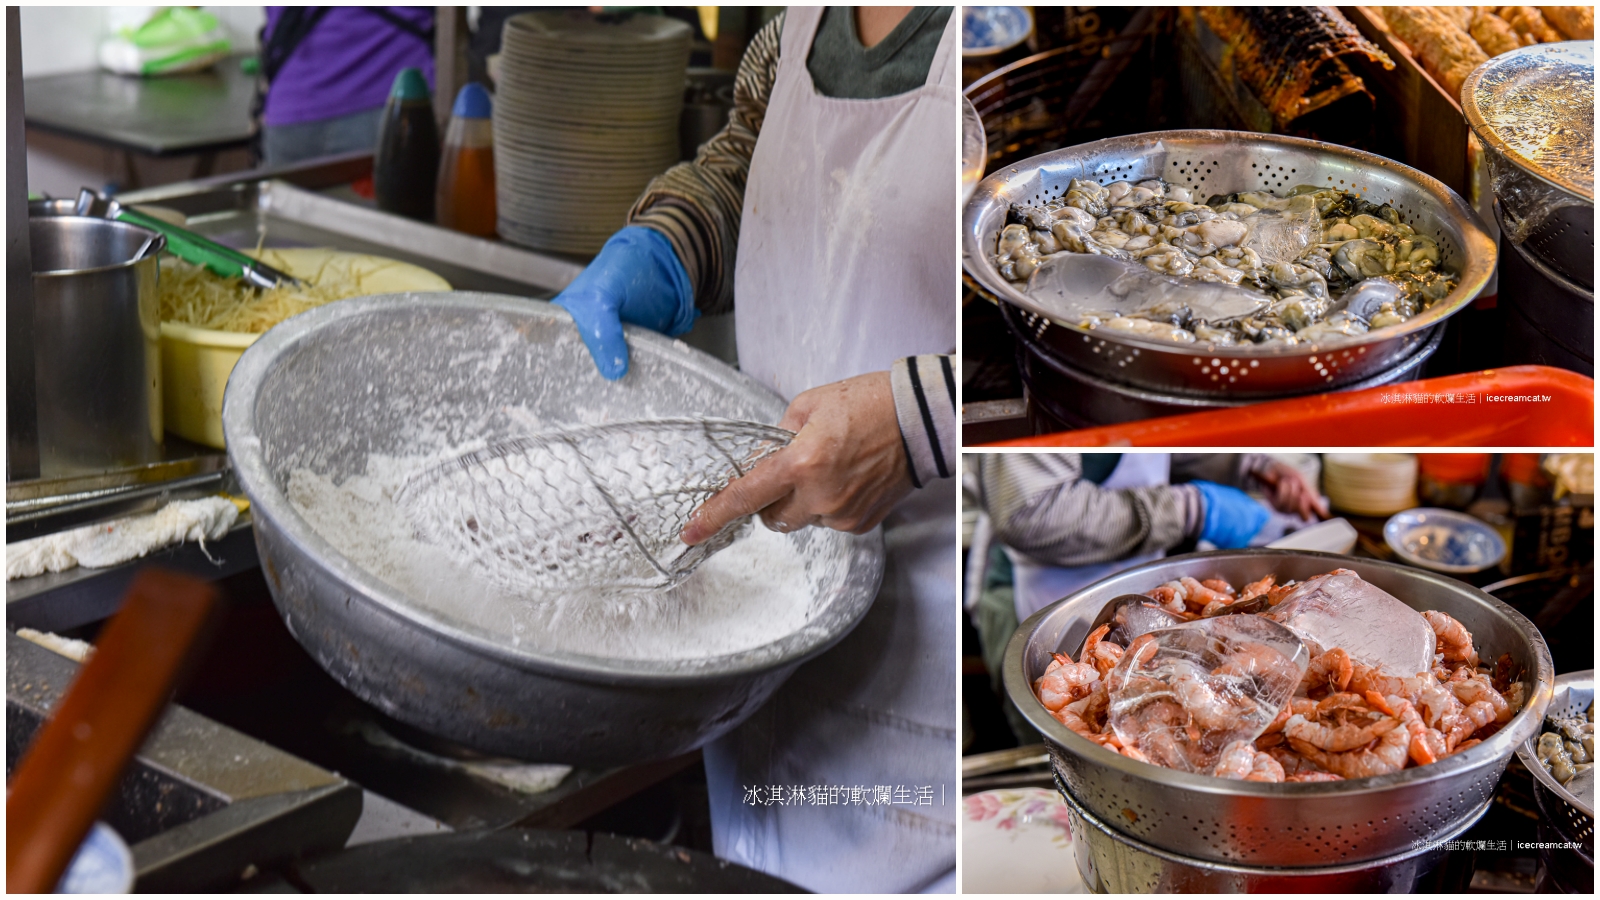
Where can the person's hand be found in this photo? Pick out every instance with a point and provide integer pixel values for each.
(1289, 492)
(636, 278)
(1231, 517)
(845, 469)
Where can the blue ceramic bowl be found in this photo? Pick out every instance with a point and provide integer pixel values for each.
(1441, 540)
(102, 865)
(987, 30)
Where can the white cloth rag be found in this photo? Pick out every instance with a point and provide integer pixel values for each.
(117, 541)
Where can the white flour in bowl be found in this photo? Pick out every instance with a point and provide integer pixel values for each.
(759, 590)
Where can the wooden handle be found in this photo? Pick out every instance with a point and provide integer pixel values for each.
(74, 764)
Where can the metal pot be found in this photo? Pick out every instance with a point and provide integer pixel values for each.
(1113, 863)
(1284, 826)
(1078, 399)
(60, 206)
(707, 100)
(1210, 162)
(1550, 319)
(1532, 109)
(326, 388)
(97, 343)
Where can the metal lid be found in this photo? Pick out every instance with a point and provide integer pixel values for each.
(1536, 107)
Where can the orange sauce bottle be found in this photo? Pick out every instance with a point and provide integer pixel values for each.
(465, 198)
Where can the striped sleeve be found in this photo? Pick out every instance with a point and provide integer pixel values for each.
(925, 403)
(1040, 505)
(697, 205)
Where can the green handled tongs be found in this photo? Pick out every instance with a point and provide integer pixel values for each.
(188, 246)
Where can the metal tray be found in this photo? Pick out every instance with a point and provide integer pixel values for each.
(279, 213)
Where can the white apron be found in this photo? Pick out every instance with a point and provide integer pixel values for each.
(1038, 586)
(846, 263)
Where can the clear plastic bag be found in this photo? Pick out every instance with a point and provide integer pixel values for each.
(1283, 235)
(1075, 285)
(1183, 694)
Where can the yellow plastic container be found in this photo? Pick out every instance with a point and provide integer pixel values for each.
(196, 362)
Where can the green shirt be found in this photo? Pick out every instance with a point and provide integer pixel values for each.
(841, 67)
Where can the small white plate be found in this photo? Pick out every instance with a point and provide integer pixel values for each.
(1017, 841)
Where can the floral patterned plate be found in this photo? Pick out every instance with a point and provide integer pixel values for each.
(1018, 842)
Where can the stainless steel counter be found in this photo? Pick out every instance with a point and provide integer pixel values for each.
(312, 205)
(277, 213)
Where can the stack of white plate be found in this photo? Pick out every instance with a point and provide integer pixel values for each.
(1370, 484)
(585, 114)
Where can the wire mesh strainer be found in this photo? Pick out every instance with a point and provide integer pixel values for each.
(592, 507)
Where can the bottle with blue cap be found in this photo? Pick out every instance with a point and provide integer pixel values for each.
(465, 200)
(407, 160)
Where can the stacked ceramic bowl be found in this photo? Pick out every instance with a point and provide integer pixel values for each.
(1370, 484)
(586, 113)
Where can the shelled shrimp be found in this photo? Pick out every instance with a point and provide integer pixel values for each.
(1454, 642)
(1064, 681)
(1330, 671)
(1345, 719)
(1243, 762)
(1102, 654)
(1387, 754)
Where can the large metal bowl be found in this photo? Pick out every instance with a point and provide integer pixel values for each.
(1284, 825)
(368, 375)
(1214, 162)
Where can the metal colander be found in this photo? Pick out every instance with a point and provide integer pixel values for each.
(1079, 400)
(1570, 815)
(1215, 162)
(594, 507)
(1284, 825)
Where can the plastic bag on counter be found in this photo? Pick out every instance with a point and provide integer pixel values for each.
(173, 40)
(1181, 695)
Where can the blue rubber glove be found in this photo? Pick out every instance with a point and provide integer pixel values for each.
(636, 279)
(1231, 517)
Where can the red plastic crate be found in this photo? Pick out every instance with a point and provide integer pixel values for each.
(1471, 410)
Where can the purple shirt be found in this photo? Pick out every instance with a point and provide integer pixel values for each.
(346, 64)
